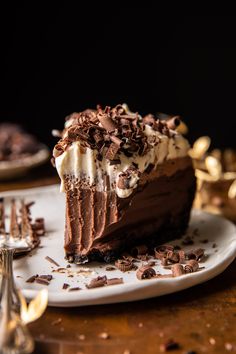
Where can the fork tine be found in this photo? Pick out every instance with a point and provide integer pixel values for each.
(2, 217)
(14, 227)
(26, 228)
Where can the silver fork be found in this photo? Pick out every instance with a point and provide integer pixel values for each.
(14, 336)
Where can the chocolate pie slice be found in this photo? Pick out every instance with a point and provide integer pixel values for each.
(128, 181)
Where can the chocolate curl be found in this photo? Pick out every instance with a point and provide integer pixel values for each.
(106, 121)
(173, 123)
(191, 266)
(114, 281)
(172, 257)
(177, 270)
(181, 256)
(149, 119)
(116, 140)
(162, 250)
(124, 265)
(97, 282)
(112, 151)
(195, 254)
(14, 227)
(139, 250)
(145, 272)
(2, 217)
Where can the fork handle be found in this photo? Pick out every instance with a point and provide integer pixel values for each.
(8, 284)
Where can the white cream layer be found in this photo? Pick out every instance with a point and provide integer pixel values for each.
(85, 165)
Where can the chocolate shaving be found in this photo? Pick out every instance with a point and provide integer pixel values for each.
(32, 278)
(161, 251)
(114, 281)
(97, 282)
(75, 289)
(42, 281)
(177, 270)
(145, 272)
(187, 241)
(49, 259)
(191, 266)
(112, 151)
(124, 264)
(107, 122)
(46, 276)
(172, 256)
(196, 254)
(110, 268)
(65, 286)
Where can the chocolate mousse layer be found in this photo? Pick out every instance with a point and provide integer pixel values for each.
(127, 180)
(100, 225)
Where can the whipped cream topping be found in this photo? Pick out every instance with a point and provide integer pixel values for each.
(82, 163)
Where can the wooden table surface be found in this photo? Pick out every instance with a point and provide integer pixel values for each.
(201, 319)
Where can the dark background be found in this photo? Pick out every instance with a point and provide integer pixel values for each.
(58, 60)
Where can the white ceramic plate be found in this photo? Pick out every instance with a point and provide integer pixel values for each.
(50, 204)
(16, 168)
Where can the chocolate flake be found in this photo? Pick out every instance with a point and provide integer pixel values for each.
(124, 265)
(75, 289)
(114, 281)
(31, 279)
(49, 259)
(177, 270)
(145, 272)
(196, 254)
(191, 266)
(110, 268)
(42, 281)
(65, 286)
(97, 282)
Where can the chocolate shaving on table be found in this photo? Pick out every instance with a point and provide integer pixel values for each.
(145, 272)
(177, 270)
(114, 281)
(196, 254)
(97, 282)
(191, 266)
(14, 226)
(139, 250)
(49, 259)
(2, 217)
(124, 264)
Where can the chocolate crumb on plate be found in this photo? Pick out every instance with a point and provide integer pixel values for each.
(191, 266)
(187, 241)
(65, 286)
(177, 270)
(46, 276)
(204, 241)
(75, 289)
(196, 254)
(49, 259)
(31, 279)
(110, 268)
(124, 265)
(114, 281)
(42, 281)
(97, 282)
(145, 272)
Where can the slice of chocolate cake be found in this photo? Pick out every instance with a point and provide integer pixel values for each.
(128, 181)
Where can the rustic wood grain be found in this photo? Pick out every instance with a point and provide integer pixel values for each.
(201, 319)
